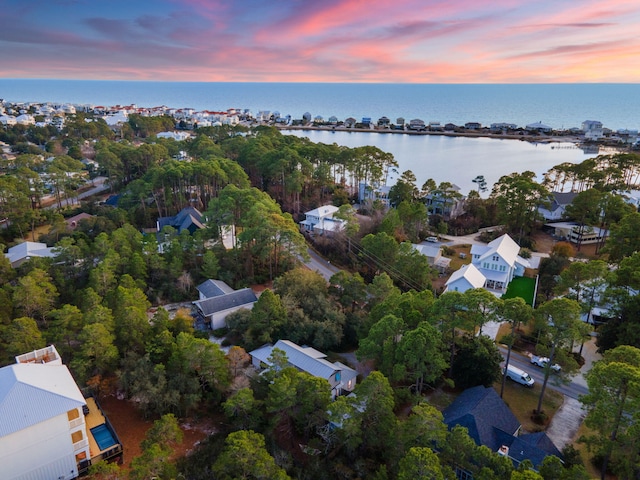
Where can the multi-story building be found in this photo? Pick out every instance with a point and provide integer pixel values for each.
(48, 429)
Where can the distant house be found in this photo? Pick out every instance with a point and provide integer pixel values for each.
(188, 218)
(374, 193)
(538, 127)
(489, 422)
(558, 206)
(48, 429)
(592, 130)
(22, 252)
(177, 136)
(341, 378)
(492, 267)
(473, 125)
(434, 255)
(320, 220)
(576, 233)
(217, 300)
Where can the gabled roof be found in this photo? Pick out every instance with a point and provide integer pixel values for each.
(490, 422)
(481, 410)
(214, 288)
(187, 219)
(322, 211)
(220, 303)
(307, 359)
(33, 393)
(26, 250)
(470, 273)
(503, 246)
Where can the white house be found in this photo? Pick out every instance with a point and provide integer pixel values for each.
(433, 254)
(177, 136)
(592, 130)
(25, 119)
(465, 278)
(320, 220)
(217, 300)
(575, 233)
(341, 378)
(558, 206)
(22, 252)
(492, 267)
(48, 430)
(7, 120)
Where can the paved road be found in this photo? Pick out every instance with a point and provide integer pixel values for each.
(320, 265)
(99, 186)
(573, 389)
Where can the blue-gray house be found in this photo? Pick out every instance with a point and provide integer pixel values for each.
(490, 423)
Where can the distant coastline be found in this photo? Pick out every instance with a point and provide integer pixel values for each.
(528, 137)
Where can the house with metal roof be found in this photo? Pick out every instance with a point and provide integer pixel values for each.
(341, 378)
(48, 429)
(320, 220)
(22, 252)
(489, 422)
(217, 300)
(465, 278)
(492, 267)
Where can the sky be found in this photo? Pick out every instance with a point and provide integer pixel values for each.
(346, 41)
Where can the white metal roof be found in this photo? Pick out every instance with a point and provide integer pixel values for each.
(470, 273)
(33, 393)
(307, 359)
(29, 249)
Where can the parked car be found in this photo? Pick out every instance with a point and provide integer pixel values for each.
(431, 239)
(542, 362)
(519, 376)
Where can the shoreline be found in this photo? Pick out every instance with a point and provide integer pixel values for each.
(499, 136)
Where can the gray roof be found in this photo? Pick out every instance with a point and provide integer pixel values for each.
(491, 423)
(214, 288)
(307, 359)
(220, 303)
(33, 393)
(186, 219)
(481, 411)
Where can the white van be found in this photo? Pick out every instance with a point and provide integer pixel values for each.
(519, 376)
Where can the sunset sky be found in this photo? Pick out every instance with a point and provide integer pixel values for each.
(421, 41)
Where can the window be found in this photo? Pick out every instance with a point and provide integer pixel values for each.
(495, 258)
(76, 436)
(73, 414)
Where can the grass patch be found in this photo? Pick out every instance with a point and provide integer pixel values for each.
(456, 261)
(522, 287)
(523, 401)
(439, 398)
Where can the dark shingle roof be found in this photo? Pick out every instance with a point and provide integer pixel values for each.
(220, 303)
(480, 410)
(490, 422)
(214, 288)
(188, 218)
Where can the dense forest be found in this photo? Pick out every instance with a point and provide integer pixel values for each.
(100, 299)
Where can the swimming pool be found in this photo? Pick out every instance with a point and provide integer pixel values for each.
(103, 437)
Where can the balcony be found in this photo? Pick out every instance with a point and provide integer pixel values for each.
(104, 443)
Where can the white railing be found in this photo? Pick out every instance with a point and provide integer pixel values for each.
(81, 445)
(75, 422)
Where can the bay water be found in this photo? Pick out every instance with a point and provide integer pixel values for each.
(457, 160)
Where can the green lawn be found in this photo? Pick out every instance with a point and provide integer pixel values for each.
(521, 287)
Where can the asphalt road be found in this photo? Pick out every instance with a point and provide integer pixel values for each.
(320, 265)
(573, 389)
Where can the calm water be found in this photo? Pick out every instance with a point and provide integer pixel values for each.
(442, 158)
(456, 159)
